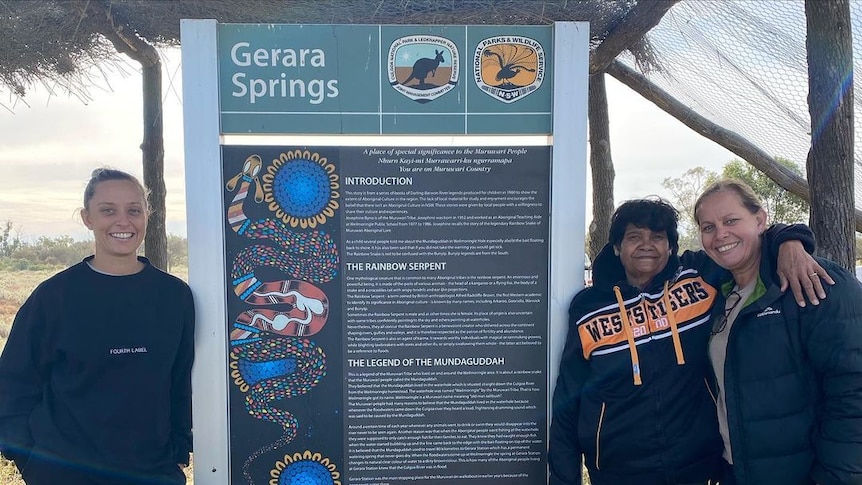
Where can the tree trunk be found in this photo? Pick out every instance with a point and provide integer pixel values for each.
(601, 165)
(153, 148)
(830, 102)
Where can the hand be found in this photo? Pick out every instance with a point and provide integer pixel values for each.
(802, 273)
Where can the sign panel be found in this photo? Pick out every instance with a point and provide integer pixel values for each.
(397, 79)
(388, 311)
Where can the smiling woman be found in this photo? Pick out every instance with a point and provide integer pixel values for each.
(644, 253)
(788, 378)
(644, 235)
(95, 379)
(115, 209)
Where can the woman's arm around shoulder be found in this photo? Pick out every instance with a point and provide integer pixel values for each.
(792, 246)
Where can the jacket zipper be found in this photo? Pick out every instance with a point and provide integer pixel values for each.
(598, 434)
(738, 447)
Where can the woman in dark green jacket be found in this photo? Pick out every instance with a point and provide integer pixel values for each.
(789, 378)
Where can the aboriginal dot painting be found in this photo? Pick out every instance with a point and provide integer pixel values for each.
(305, 468)
(300, 189)
(283, 260)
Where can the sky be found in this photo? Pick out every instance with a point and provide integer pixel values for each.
(52, 140)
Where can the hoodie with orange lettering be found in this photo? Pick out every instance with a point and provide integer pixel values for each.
(633, 395)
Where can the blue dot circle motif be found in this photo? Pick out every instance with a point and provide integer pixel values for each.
(305, 472)
(301, 188)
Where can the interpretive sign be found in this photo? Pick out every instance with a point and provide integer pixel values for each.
(393, 323)
(379, 296)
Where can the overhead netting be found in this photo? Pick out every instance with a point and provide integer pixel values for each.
(742, 65)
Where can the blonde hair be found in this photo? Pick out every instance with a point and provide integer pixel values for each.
(746, 194)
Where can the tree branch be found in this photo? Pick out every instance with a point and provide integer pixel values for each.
(726, 138)
(641, 18)
(115, 30)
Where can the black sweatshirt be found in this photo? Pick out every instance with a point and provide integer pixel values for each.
(97, 371)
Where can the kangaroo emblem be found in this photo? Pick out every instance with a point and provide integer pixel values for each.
(423, 66)
(430, 76)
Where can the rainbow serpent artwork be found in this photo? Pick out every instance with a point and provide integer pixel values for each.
(271, 358)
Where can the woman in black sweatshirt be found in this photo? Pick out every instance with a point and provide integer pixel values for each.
(95, 379)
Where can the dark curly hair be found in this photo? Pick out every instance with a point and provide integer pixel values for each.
(653, 213)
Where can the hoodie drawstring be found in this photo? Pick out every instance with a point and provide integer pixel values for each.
(633, 351)
(671, 318)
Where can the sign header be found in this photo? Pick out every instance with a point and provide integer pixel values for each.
(371, 80)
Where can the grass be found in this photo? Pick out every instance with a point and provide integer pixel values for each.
(15, 287)
(9, 474)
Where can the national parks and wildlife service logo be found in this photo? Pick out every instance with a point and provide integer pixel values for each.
(423, 67)
(509, 67)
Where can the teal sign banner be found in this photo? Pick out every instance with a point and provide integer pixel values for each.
(395, 79)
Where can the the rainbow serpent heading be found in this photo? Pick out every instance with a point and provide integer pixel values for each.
(271, 359)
